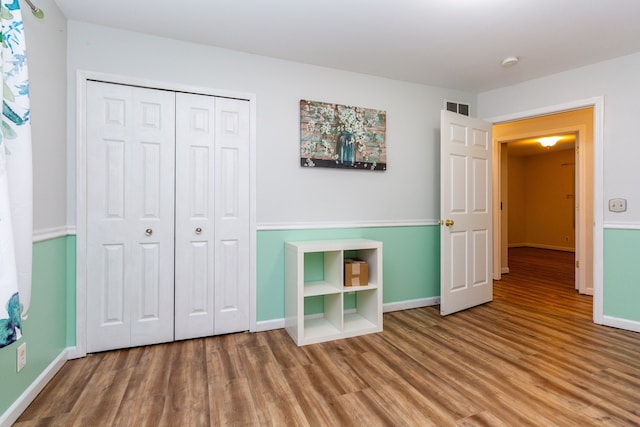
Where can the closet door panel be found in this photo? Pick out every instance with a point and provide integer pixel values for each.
(109, 136)
(130, 156)
(232, 216)
(152, 191)
(195, 185)
(112, 310)
(228, 293)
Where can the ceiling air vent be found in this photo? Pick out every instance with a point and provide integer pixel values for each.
(457, 107)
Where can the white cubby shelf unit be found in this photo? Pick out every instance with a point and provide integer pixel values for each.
(363, 311)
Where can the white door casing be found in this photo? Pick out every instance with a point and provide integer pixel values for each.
(466, 249)
(130, 161)
(585, 217)
(579, 278)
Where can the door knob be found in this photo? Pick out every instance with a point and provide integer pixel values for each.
(198, 230)
(148, 232)
(448, 222)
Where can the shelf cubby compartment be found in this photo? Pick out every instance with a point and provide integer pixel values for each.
(322, 272)
(327, 323)
(371, 258)
(365, 315)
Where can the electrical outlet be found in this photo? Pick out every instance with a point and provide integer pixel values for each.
(617, 205)
(22, 356)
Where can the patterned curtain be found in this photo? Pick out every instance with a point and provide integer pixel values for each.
(16, 227)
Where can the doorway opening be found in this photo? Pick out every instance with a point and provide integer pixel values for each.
(559, 184)
(538, 196)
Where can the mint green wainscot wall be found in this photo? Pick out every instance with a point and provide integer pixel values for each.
(45, 329)
(71, 291)
(411, 262)
(622, 274)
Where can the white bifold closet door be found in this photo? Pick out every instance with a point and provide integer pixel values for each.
(167, 216)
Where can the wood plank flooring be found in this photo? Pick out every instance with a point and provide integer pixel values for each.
(530, 357)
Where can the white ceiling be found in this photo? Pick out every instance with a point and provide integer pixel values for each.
(447, 43)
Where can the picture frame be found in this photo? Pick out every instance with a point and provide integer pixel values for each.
(342, 136)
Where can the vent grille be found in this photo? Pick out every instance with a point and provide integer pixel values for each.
(457, 107)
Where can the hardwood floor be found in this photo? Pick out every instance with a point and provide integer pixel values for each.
(530, 357)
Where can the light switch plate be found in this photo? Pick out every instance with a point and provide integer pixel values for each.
(617, 205)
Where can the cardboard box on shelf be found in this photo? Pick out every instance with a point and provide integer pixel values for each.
(356, 272)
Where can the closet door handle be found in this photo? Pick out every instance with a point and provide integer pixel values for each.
(148, 232)
(198, 230)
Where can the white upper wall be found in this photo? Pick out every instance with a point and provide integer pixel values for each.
(618, 81)
(287, 193)
(46, 56)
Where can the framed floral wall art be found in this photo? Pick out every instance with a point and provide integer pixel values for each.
(342, 136)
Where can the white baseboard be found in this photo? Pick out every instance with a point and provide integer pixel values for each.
(504, 270)
(615, 322)
(268, 325)
(541, 246)
(408, 305)
(517, 245)
(75, 353)
(25, 399)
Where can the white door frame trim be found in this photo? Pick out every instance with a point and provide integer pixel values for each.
(598, 176)
(82, 76)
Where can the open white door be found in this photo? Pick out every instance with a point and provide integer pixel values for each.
(466, 236)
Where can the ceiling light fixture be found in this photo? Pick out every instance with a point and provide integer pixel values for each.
(549, 141)
(510, 61)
